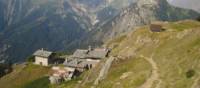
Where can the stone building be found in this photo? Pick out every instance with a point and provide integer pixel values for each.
(86, 59)
(43, 57)
(156, 28)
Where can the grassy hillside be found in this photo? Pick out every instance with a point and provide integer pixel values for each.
(168, 59)
(23, 76)
(175, 52)
(144, 59)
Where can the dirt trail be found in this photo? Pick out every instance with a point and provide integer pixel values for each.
(196, 83)
(154, 76)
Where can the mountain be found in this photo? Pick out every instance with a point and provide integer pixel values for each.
(64, 25)
(136, 14)
(192, 4)
(98, 11)
(51, 24)
(33, 24)
(143, 59)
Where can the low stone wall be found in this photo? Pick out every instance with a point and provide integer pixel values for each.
(104, 70)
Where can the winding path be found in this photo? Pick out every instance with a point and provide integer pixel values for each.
(195, 84)
(154, 77)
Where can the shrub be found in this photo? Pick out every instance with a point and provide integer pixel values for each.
(30, 59)
(5, 69)
(198, 19)
(190, 73)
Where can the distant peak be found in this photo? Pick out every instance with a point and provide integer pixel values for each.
(148, 2)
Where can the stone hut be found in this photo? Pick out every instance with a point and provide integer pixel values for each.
(156, 28)
(43, 57)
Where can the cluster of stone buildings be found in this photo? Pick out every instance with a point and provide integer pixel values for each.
(73, 65)
(78, 62)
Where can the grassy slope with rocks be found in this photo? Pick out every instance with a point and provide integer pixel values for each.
(168, 59)
(144, 59)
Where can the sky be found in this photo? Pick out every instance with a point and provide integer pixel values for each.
(190, 4)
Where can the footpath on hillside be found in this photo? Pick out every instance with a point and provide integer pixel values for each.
(154, 75)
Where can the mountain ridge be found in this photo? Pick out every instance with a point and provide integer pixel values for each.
(137, 14)
(142, 58)
(65, 26)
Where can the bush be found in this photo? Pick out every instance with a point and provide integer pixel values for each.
(198, 19)
(5, 69)
(30, 59)
(190, 73)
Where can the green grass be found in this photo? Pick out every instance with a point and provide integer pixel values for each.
(184, 25)
(139, 68)
(174, 56)
(177, 59)
(23, 75)
(38, 83)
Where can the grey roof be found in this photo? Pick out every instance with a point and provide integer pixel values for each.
(80, 53)
(98, 53)
(77, 63)
(42, 53)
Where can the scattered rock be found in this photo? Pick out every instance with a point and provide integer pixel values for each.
(125, 75)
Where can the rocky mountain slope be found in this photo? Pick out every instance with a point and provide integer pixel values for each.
(142, 59)
(33, 24)
(137, 14)
(52, 24)
(59, 25)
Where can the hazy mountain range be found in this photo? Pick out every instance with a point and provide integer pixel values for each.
(190, 4)
(64, 25)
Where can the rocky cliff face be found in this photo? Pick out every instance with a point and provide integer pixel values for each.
(137, 14)
(26, 25)
(29, 25)
(145, 12)
(97, 12)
